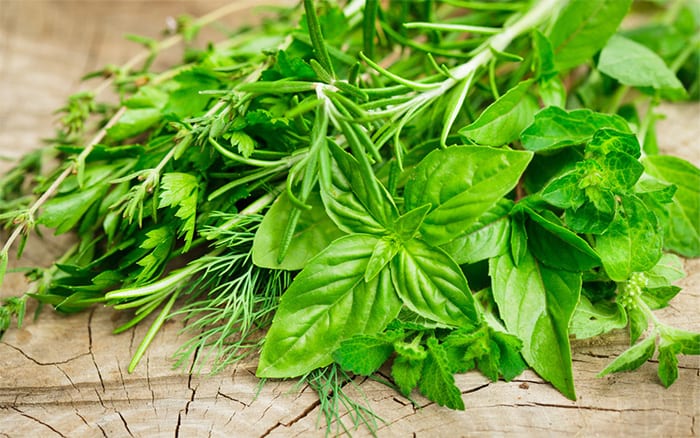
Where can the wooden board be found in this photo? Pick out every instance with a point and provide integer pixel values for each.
(66, 375)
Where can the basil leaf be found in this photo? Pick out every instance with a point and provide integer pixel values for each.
(686, 342)
(501, 122)
(555, 128)
(352, 202)
(682, 233)
(461, 183)
(314, 232)
(557, 247)
(432, 285)
(536, 304)
(487, 237)
(327, 302)
(632, 358)
(638, 323)
(668, 364)
(668, 270)
(632, 243)
(635, 65)
(583, 27)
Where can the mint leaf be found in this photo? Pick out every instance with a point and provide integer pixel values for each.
(363, 355)
(406, 373)
(437, 382)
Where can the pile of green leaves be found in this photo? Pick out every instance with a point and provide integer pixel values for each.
(431, 187)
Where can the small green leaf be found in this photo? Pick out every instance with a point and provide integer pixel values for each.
(134, 122)
(638, 323)
(637, 66)
(243, 142)
(363, 355)
(502, 121)
(408, 224)
(64, 212)
(591, 320)
(685, 342)
(668, 364)
(181, 190)
(406, 373)
(384, 251)
(437, 382)
(632, 358)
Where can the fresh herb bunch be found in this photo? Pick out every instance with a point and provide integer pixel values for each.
(434, 186)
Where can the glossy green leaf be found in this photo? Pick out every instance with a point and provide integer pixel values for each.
(461, 183)
(632, 358)
(557, 247)
(632, 243)
(488, 236)
(668, 364)
(536, 304)
(64, 212)
(385, 250)
(583, 27)
(327, 303)
(555, 128)
(432, 285)
(502, 121)
(682, 233)
(314, 232)
(637, 66)
(595, 215)
(638, 323)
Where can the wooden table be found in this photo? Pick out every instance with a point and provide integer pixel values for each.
(66, 375)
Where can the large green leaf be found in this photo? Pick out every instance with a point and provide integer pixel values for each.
(314, 232)
(632, 242)
(327, 303)
(682, 232)
(536, 304)
(461, 183)
(583, 27)
(432, 285)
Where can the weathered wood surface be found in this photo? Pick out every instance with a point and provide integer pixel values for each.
(66, 376)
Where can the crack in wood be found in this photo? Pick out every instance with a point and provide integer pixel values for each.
(304, 413)
(475, 389)
(40, 363)
(126, 425)
(36, 420)
(90, 350)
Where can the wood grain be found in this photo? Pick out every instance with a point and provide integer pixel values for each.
(66, 375)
